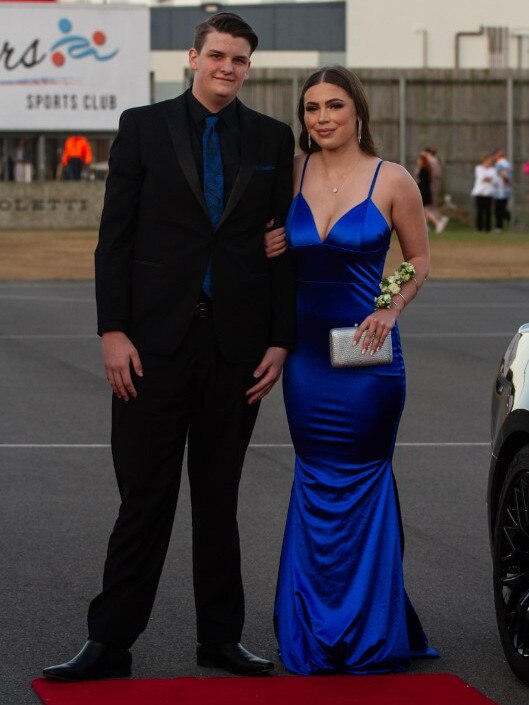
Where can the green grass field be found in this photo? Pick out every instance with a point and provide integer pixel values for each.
(464, 233)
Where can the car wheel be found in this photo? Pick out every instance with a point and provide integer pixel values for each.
(510, 561)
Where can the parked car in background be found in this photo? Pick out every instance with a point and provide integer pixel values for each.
(508, 502)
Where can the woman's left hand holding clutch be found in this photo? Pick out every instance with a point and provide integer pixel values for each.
(376, 327)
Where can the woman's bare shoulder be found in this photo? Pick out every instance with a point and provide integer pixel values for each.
(392, 170)
(395, 175)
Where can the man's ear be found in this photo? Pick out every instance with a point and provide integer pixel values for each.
(192, 56)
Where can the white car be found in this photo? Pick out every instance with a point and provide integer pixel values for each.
(508, 502)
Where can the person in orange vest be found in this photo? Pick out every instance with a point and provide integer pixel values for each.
(75, 154)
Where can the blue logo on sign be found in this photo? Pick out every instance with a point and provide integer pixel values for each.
(75, 46)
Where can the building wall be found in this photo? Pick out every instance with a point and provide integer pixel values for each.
(420, 34)
(51, 205)
(280, 26)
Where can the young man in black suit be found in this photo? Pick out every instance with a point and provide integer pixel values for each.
(186, 365)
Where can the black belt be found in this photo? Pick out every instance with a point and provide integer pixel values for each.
(203, 309)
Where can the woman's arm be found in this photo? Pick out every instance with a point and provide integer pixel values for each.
(408, 220)
(407, 217)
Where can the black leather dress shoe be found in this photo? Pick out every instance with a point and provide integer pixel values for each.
(233, 658)
(95, 660)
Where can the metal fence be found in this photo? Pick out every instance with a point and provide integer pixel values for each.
(461, 113)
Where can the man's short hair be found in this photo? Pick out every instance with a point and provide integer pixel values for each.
(227, 23)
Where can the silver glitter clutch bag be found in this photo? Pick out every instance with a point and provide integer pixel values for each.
(343, 354)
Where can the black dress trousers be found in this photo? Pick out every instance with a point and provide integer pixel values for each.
(193, 394)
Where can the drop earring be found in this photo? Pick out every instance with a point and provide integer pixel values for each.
(359, 133)
(309, 141)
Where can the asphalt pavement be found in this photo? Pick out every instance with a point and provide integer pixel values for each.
(59, 500)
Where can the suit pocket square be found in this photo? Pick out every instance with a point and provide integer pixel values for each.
(265, 167)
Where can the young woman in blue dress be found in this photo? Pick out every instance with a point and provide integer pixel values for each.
(341, 605)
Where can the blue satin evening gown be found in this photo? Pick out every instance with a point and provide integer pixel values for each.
(340, 604)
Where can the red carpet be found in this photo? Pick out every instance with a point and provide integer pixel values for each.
(438, 689)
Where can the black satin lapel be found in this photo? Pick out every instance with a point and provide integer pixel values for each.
(179, 130)
(249, 142)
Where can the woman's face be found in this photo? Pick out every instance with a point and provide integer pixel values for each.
(330, 115)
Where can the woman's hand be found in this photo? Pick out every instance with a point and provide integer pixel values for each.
(275, 242)
(376, 327)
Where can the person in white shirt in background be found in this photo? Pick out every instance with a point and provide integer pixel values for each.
(485, 177)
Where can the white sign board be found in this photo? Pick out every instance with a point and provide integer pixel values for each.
(71, 68)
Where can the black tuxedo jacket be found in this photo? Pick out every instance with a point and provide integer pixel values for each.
(156, 238)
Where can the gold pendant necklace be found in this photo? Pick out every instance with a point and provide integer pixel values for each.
(335, 189)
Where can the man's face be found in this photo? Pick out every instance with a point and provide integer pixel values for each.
(220, 69)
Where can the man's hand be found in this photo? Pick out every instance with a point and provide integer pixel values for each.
(269, 371)
(118, 355)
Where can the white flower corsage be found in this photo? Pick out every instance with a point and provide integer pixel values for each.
(390, 286)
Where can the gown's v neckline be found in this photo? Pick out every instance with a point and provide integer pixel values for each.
(355, 207)
(323, 240)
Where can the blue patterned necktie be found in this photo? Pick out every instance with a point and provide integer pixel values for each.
(213, 181)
